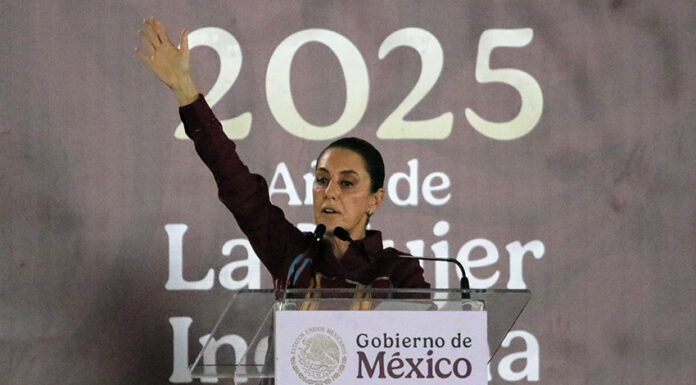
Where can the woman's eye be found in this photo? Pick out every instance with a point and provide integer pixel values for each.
(321, 180)
(346, 183)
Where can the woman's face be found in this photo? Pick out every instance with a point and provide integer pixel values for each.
(342, 194)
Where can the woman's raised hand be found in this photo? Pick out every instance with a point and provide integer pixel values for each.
(169, 63)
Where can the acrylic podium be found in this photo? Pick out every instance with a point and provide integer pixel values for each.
(249, 318)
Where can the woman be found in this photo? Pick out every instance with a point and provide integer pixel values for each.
(349, 176)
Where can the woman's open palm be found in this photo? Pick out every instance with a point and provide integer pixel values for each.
(169, 63)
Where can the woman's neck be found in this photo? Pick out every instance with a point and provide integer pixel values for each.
(338, 247)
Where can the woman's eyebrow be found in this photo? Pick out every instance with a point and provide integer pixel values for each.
(322, 169)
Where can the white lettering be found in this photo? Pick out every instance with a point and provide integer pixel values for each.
(517, 251)
(180, 371)
(211, 345)
(261, 351)
(441, 250)
(251, 263)
(176, 281)
(412, 182)
(463, 256)
(531, 356)
(434, 186)
(415, 247)
(429, 187)
(309, 184)
(306, 227)
(281, 172)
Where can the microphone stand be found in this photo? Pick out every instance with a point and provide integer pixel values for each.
(343, 235)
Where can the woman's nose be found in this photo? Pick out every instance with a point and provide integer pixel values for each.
(331, 190)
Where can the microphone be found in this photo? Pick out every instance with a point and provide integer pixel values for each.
(342, 234)
(319, 232)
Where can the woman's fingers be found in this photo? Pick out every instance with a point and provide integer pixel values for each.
(160, 31)
(146, 42)
(151, 34)
(143, 56)
(183, 42)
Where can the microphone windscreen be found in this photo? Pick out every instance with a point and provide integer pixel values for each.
(319, 231)
(342, 234)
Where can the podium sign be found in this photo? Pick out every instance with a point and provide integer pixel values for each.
(392, 347)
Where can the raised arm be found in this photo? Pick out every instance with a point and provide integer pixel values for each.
(275, 240)
(169, 63)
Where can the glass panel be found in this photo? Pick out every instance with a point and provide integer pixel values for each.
(249, 315)
(246, 316)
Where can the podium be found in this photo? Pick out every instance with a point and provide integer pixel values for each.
(241, 344)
